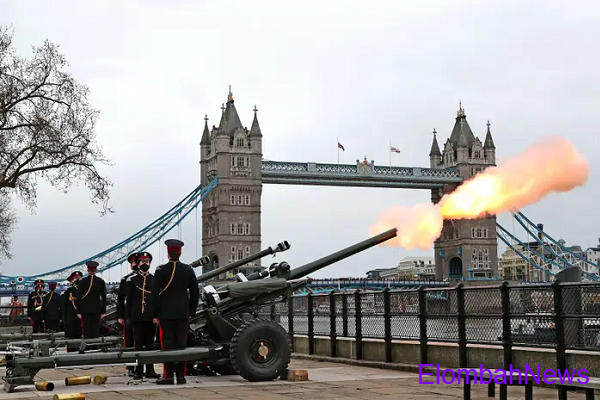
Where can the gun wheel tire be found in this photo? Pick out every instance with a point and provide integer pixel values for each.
(260, 350)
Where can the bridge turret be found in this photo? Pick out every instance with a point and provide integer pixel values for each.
(435, 155)
(489, 149)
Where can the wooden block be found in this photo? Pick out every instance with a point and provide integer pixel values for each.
(297, 375)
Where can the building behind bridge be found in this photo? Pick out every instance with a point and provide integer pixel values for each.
(409, 268)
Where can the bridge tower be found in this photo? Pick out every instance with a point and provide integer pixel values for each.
(231, 212)
(466, 248)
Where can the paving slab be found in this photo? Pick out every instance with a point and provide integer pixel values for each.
(331, 381)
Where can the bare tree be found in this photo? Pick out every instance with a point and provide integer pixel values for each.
(46, 130)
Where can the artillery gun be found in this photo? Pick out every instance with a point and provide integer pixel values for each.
(225, 331)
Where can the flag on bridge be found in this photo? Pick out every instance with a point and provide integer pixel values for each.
(394, 149)
(341, 147)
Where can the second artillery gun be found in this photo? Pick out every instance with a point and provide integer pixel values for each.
(226, 332)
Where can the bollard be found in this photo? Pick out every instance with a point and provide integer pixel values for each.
(100, 379)
(78, 380)
(70, 396)
(43, 386)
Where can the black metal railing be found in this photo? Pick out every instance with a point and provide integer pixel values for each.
(563, 316)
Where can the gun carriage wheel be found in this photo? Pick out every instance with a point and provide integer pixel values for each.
(260, 350)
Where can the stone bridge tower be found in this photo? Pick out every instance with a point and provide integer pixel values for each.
(231, 212)
(466, 248)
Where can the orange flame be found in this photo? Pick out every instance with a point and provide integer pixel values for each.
(551, 166)
(418, 226)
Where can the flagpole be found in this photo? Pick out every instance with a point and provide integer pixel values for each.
(338, 149)
(390, 153)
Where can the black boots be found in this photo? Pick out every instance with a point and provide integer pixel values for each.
(150, 374)
(165, 381)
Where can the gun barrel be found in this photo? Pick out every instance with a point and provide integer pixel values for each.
(340, 255)
(283, 246)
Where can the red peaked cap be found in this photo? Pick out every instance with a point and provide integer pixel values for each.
(92, 266)
(174, 245)
(73, 275)
(144, 256)
(52, 285)
(132, 257)
(38, 282)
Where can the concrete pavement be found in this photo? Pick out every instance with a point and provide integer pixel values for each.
(330, 381)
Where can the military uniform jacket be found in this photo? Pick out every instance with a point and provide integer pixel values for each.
(52, 306)
(92, 295)
(121, 295)
(34, 301)
(170, 297)
(139, 297)
(69, 303)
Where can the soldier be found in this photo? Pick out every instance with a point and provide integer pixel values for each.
(52, 308)
(34, 307)
(17, 308)
(91, 302)
(71, 322)
(175, 297)
(139, 309)
(122, 310)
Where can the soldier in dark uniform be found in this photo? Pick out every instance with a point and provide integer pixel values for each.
(175, 297)
(34, 307)
(139, 309)
(71, 322)
(122, 310)
(91, 302)
(52, 308)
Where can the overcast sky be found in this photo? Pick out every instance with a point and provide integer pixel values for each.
(365, 72)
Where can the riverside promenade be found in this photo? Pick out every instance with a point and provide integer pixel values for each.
(327, 380)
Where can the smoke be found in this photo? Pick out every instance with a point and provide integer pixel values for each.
(418, 226)
(553, 165)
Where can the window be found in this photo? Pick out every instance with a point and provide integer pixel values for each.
(240, 161)
(233, 161)
(247, 251)
(232, 201)
(233, 229)
(240, 254)
(232, 255)
(239, 199)
(239, 229)
(240, 142)
(247, 199)
(246, 229)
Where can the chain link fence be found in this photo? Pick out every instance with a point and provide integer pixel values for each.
(554, 315)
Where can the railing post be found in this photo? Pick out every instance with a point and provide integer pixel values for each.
(387, 324)
(461, 321)
(358, 319)
(506, 333)
(332, 325)
(272, 314)
(311, 328)
(291, 320)
(345, 315)
(561, 360)
(422, 325)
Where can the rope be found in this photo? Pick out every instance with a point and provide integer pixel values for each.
(170, 280)
(89, 287)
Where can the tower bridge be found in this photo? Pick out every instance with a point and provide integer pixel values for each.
(231, 226)
(233, 172)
